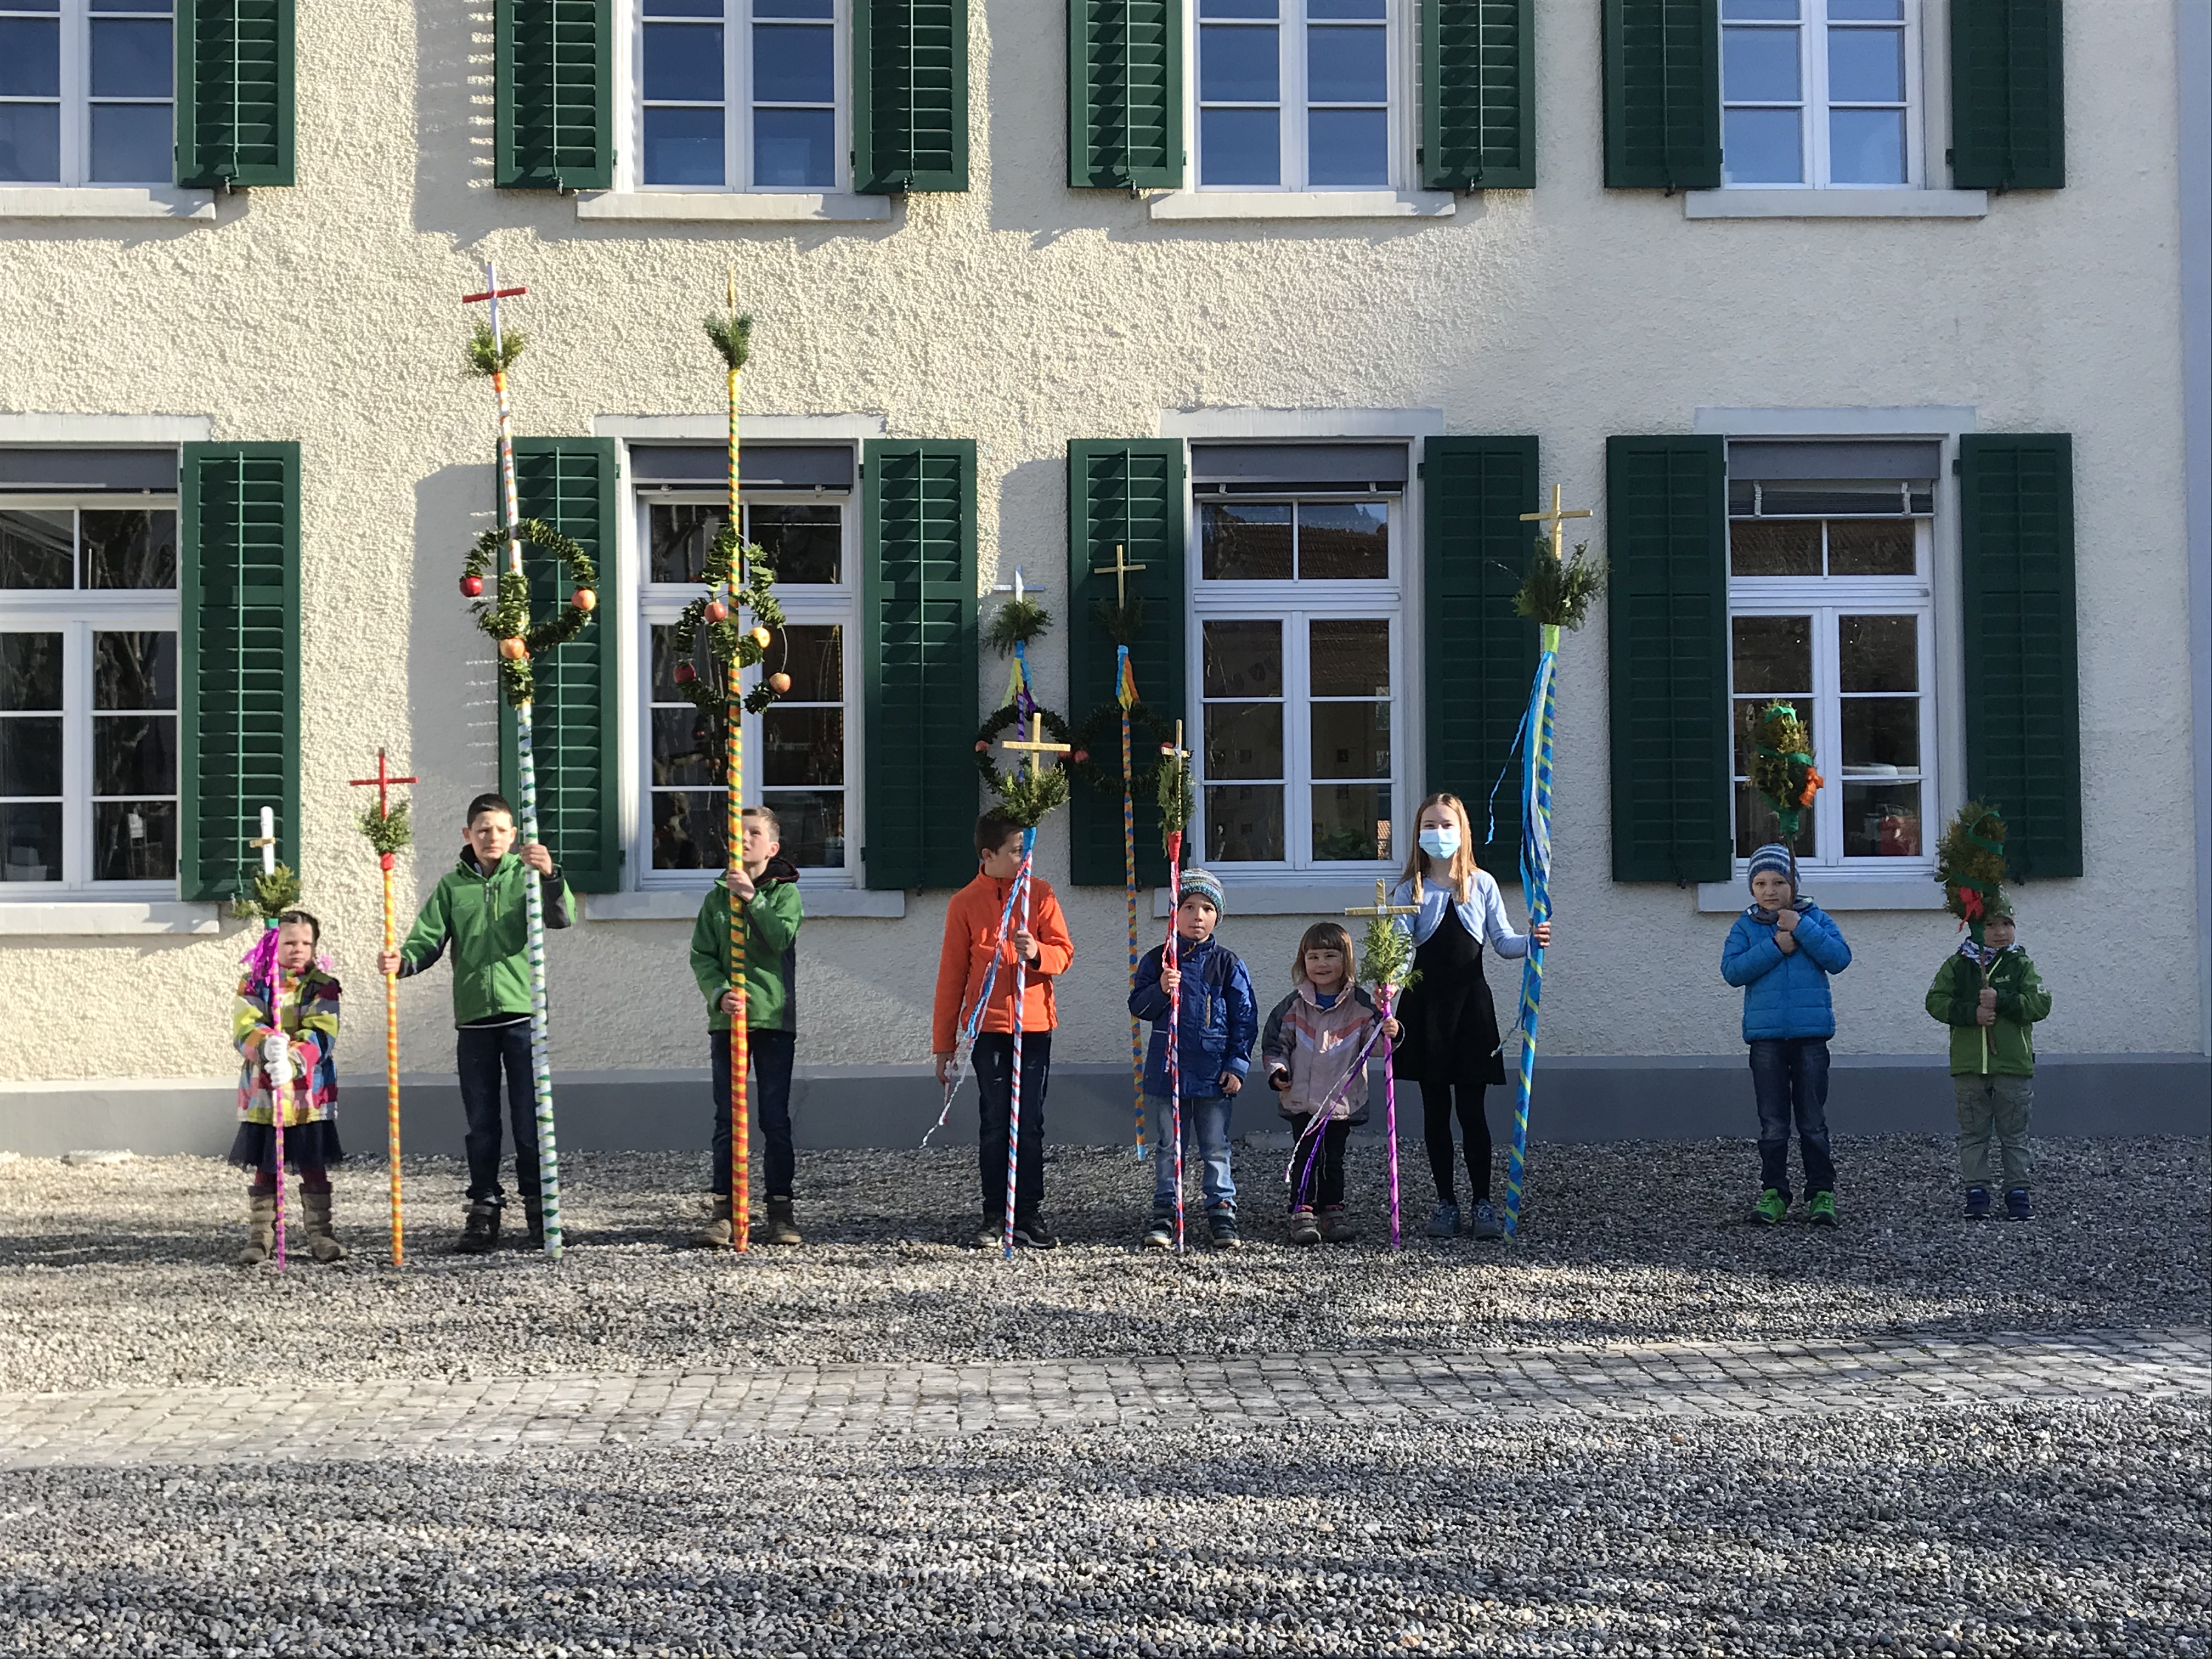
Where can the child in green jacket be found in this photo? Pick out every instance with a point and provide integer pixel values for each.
(766, 890)
(1990, 996)
(480, 909)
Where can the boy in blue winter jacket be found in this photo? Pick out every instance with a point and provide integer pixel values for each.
(1781, 952)
(1219, 1022)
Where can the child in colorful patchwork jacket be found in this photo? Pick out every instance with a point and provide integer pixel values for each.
(1990, 996)
(1314, 1050)
(285, 1027)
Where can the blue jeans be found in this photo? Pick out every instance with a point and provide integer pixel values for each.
(481, 1054)
(1790, 1077)
(1204, 1131)
(769, 1101)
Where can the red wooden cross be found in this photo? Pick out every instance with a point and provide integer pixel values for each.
(383, 781)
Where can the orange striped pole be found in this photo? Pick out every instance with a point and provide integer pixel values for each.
(385, 841)
(733, 762)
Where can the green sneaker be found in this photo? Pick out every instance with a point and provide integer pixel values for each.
(1821, 1209)
(1771, 1209)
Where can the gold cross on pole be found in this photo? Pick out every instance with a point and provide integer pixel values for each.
(1176, 752)
(1383, 907)
(1556, 521)
(1036, 748)
(1120, 570)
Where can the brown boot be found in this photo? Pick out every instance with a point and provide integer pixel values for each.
(1334, 1229)
(780, 1227)
(260, 1228)
(716, 1234)
(315, 1213)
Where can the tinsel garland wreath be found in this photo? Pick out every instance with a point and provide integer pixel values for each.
(728, 642)
(506, 616)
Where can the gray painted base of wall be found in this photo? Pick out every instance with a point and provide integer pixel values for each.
(1577, 1100)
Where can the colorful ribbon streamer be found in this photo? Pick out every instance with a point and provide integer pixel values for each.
(1536, 892)
(733, 765)
(1014, 1092)
(974, 1023)
(1125, 693)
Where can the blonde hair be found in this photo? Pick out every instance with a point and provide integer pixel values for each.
(1325, 936)
(1463, 866)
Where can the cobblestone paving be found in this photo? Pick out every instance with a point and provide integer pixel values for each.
(497, 1417)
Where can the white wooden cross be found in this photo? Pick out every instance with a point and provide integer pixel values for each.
(1018, 587)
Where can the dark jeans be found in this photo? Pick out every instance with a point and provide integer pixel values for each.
(994, 1060)
(769, 1100)
(481, 1052)
(1790, 1077)
(1474, 1130)
(1326, 1185)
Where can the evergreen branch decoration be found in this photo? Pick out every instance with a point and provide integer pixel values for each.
(1970, 863)
(1001, 783)
(1122, 624)
(1095, 734)
(506, 617)
(1386, 952)
(269, 894)
(732, 335)
(488, 355)
(727, 642)
(1557, 592)
(1178, 799)
(388, 831)
(1016, 623)
(1027, 796)
(1782, 766)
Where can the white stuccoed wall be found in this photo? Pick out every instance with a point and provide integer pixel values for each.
(1024, 314)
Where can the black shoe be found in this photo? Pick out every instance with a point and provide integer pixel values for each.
(480, 1232)
(1221, 1224)
(533, 1213)
(990, 1235)
(1031, 1231)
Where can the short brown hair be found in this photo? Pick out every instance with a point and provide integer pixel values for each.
(775, 823)
(1324, 935)
(993, 830)
(489, 803)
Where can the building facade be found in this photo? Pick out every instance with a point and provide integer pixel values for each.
(1863, 341)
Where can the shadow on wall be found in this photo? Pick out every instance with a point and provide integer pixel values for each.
(452, 687)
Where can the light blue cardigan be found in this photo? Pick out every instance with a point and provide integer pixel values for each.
(1483, 915)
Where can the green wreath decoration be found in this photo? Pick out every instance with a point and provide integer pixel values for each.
(505, 618)
(987, 743)
(1099, 732)
(727, 643)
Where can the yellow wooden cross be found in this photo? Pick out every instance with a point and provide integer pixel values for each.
(1120, 570)
(1037, 747)
(1383, 907)
(1177, 753)
(1556, 521)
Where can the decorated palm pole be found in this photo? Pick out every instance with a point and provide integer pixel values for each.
(1386, 958)
(1122, 621)
(492, 351)
(1178, 801)
(1970, 863)
(1556, 595)
(1028, 797)
(389, 830)
(274, 891)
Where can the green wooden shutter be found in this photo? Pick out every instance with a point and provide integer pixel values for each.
(233, 93)
(1478, 95)
(1127, 493)
(1666, 614)
(2023, 715)
(1125, 94)
(570, 483)
(2008, 95)
(238, 685)
(553, 94)
(909, 95)
(1480, 654)
(1662, 94)
(918, 625)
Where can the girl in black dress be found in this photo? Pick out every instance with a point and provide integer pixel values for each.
(1450, 1045)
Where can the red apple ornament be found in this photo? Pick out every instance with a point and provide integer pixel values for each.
(584, 599)
(779, 683)
(513, 650)
(761, 637)
(471, 587)
(717, 611)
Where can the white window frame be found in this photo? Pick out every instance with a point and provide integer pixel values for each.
(736, 107)
(805, 604)
(74, 152)
(1812, 27)
(1291, 88)
(1293, 604)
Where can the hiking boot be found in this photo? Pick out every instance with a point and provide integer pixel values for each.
(315, 1215)
(2016, 1205)
(1978, 1203)
(1821, 1209)
(480, 1232)
(1030, 1232)
(781, 1227)
(260, 1228)
(533, 1216)
(1443, 1221)
(1221, 1226)
(1773, 1204)
(713, 1233)
(1483, 1223)
(1160, 1233)
(1334, 1229)
(1304, 1229)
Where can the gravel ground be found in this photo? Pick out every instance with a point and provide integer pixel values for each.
(2019, 1530)
(120, 1274)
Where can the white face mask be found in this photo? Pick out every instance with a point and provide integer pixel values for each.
(1440, 843)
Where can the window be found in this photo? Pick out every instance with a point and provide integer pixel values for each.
(740, 95)
(798, 755)
(1299, 626)
(87, 695)
(87, 91)
(1831, 609)
(1819, 93)
(1296, 95)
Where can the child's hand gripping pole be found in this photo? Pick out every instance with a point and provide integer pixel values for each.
(956, 1070)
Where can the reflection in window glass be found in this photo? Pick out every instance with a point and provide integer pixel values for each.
(719, 78)
(1245, 541)
(1816, 93)
(803, 734)
(30, 756)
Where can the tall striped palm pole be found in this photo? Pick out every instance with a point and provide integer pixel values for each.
(736, 345)
(270, 895)
(1177, 802)
(1028, 803)
(388, 831)
(1125, 694)
(1386, 957)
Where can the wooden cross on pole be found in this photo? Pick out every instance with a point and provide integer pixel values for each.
(1555, 520)
(1036, 748)
(1120, 570)
(383, 781)
(1383, 907)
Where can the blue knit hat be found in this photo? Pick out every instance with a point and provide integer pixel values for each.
(1204, 884)
(1776, 857)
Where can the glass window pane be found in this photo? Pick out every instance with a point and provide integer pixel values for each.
(1347, 147)
(1759, 11)
(134, 755)
(1852, 496)
(795, 148)
(825, 9)
(1344, 541)
(1866, 146)
(1871, 548)
(1347, 66)
(134, 670)
(1245, 541)
(1762, 147)
(1243, 822)
(1756, 826)
(134, 840)
(1881, 820)
(813, 822)
(1773, 550)
(131, 144)
(680, 537)
(803, 746)
(30, 141)
(683, 146)
(687, 746)
(1238, 8)
(37, 550)
(664, 662)
(1350, 658)
(128, 549)
(1866, 66)
(795, 65)
(1350, 821)
(801, 543)
(1878, 654)
(130, 58)
(1239, 66)
(683, 62)
(683, 8)
(815, 659)
(1773, 656)
(30, 672)
(1240, 147)
(1353, 8)
(1862, 11)
(1243, 660)
(687, 830)
(30, 841)
(1243, 740)
(30, 756)
(1759, 66)
(1882, 737)
(30, 58)
(1350, 740)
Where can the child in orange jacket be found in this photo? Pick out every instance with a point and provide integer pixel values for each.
(973, 941)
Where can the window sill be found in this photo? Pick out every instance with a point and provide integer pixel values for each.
(733, 207)
(1835, 203)
(1835, 891)
(105, 202)
(681, 904)
(1286, 896)
(32, 919)
(1185, 205)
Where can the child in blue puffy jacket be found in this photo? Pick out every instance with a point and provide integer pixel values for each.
(1781, 952)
